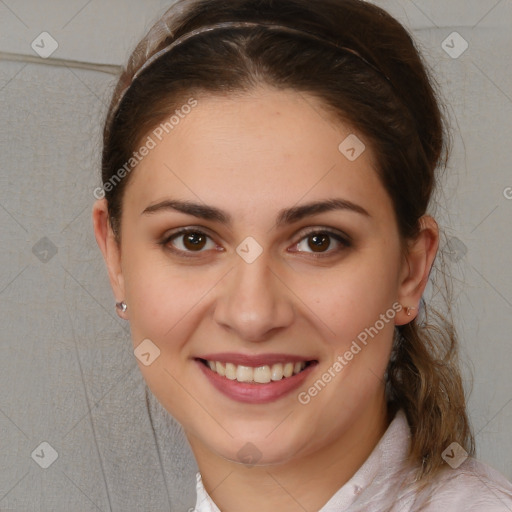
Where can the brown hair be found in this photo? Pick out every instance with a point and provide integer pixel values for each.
(400, 117)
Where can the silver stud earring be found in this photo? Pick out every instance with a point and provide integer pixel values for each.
(409, 308)
(121, 306)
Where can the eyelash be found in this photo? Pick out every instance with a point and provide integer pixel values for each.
(344, 240)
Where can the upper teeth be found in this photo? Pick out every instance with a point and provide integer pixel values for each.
(261, 374)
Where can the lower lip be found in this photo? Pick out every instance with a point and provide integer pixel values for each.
(255, 393)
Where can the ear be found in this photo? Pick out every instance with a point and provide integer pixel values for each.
(110, 249)
(416, 267)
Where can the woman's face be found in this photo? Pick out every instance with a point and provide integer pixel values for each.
(291, 254)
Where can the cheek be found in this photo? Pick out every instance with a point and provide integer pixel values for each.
(351, 297)
(160, 301)
(165, 300)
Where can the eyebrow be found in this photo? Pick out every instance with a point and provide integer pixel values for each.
(287, 216)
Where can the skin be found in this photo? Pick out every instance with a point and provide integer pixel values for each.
(252, 157)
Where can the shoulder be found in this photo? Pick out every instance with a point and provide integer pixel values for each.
(473, 486)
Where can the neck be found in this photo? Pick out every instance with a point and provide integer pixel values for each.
(303, 483)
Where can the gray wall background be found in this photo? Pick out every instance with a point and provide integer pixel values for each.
(68, 376)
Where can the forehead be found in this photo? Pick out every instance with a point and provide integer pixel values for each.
(265, 149)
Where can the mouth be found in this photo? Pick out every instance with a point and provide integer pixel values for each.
(261, 374)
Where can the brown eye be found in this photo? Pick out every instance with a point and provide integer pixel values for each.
(194, 241)
(322, 242)
(189, 242)
(319, 242)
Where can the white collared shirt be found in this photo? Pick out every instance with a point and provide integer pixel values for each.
(384, 483)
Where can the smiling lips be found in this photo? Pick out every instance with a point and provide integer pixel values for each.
(261, 374)
(261, 369)
(255, 380)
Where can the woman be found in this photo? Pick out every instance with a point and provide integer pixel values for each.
(267, 169)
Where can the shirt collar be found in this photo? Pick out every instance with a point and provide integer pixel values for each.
(374, 477)
(388, 457)
(203, 502)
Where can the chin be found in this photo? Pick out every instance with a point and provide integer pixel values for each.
(260, 455)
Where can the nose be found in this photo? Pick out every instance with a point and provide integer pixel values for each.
(254, 303)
